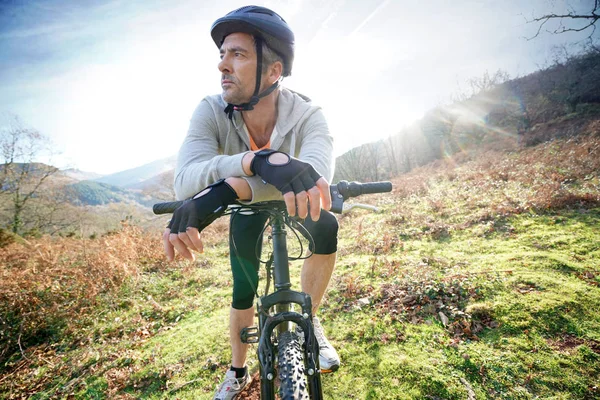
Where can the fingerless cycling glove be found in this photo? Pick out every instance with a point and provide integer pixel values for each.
(291, 176)
(202, 209)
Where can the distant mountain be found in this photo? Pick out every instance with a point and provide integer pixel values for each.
(163, 180)
(132, 177)
(81, 188)
(80, 175)
(99, 193)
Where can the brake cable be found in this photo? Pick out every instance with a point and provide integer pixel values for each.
(294, 227)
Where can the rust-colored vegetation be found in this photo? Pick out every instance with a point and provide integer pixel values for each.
(446, 195)
(48, 285)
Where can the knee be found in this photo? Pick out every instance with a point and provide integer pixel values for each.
(328, 224)
(242, 302)
(243, 295)
(324, 233)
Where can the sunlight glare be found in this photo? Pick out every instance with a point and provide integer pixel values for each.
(142, 104)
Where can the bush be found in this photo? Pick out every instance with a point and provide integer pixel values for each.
(6, 238)
(49, 284)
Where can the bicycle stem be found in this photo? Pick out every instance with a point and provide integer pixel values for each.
(281, 271)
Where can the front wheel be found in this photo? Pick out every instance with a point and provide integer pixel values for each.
(292, 372)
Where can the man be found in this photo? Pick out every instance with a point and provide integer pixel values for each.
(254, 142)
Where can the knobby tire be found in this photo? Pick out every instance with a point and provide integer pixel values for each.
(292, 372)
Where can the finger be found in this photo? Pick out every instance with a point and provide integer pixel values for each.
(290, 203)
(301, 204)
(297, 185)
(180, 247)
(169, 250)
(174, 223)
(323, 187)
(314, 198)
(307, 182)
(194, 236)
(183, 236)
(286, 188)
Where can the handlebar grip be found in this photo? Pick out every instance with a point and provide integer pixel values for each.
(166, 208)
(375, 187)
(353, 189)
(343, 190)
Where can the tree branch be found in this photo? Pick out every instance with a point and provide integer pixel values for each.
(593, 17)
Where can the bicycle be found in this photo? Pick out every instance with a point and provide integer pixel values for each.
(279, 343)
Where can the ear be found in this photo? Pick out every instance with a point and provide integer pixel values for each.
(274, 72)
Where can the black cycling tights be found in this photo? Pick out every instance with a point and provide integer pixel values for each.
(245, 231)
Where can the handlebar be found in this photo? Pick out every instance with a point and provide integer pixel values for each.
(343, 190)
(340, 192)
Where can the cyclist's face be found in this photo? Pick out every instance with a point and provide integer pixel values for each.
(238, 68)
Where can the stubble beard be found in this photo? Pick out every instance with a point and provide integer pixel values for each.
(232, 96)
(233, 93)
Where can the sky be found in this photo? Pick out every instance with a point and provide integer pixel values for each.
(113, 83)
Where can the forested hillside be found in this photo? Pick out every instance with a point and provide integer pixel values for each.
(97, 193)
(560, 100)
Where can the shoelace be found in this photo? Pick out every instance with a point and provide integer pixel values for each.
(319, 333)
(233, 382)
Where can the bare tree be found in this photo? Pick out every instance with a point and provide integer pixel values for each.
(480, 84)
(374, 157)
(21, 175)
(488, 81)
(566, 20)
(392, 155)
(360, 163)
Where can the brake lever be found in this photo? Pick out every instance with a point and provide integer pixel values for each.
(337, 200)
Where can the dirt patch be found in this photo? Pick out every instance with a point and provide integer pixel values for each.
(445, 299)
(525, 288)
(568, 343)
(590, 277)
(252, 392)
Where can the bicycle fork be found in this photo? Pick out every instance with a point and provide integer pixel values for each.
(280, 321)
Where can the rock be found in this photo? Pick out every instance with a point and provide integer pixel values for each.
(365, 301)
(443, 318)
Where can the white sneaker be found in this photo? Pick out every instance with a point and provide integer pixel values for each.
(328, 357)
(232, 386)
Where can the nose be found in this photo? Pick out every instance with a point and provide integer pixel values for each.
(224, 65)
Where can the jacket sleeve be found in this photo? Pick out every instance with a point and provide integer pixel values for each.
(316, 147)
(199, 162)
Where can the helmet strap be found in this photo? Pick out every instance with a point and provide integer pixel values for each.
(256, 96)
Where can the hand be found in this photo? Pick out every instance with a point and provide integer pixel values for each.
(183, 232)
(302, 187)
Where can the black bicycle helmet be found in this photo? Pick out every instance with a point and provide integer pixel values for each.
(265, 25)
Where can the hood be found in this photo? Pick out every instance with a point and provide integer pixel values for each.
(292, 108)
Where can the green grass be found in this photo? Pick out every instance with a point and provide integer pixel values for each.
(533, 283)
(521, 301)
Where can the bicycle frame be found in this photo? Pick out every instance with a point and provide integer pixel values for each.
(275, 315)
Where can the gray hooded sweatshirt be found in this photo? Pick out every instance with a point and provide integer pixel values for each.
(215, 145)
